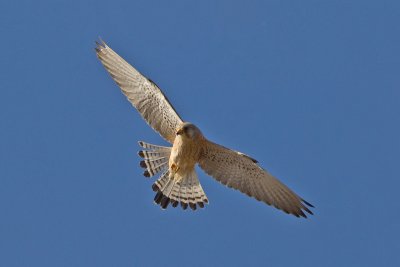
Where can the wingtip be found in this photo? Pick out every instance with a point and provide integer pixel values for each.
(305, 208)
(308, 210)
(308, 203)
(100, 45)
(302, 214)
(100, 42)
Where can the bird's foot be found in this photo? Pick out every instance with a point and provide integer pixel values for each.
(174, 168)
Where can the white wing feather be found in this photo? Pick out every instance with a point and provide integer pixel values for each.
(239, 171)
(144, 94)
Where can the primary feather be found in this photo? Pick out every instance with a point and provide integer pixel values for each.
(144, 95)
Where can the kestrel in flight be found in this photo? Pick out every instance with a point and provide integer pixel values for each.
(178, 183)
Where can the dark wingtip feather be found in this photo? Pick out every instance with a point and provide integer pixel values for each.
(206, 200)
(201, 204)
(307, 203)
(146, 173)
(308, 210)
(287, 212)
(302, 214)
(140, 143)
(141, 154)
(100, 44)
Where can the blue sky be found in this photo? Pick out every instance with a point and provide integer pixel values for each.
(309, 88)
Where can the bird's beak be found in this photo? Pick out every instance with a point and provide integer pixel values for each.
(180, 131)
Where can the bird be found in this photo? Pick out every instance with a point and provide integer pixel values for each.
(178, 183)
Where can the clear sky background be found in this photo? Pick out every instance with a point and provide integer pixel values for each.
(309, 88)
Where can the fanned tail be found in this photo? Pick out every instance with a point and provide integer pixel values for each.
(155, 158)
(170, 189)
(187, 191)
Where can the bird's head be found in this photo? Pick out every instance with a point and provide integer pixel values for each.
(188, 130)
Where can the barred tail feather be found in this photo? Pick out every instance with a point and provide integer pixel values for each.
(161, 182)
(187, 191)
(155, 158)
(192, 203)
(162, 197)
(153, 155)
(175, 198)
(169, 189)
(183, 197)
(151, 171)
(154, 147)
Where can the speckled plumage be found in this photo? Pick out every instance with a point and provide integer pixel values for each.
(178, 182)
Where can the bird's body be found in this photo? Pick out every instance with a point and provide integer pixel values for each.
(178, 183)
(185, 154)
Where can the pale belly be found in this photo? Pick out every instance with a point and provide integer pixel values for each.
(184, 156)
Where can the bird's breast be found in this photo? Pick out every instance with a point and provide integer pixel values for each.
(184, 153)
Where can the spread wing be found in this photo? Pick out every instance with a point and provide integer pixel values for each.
(144, 94)
(239, 171)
